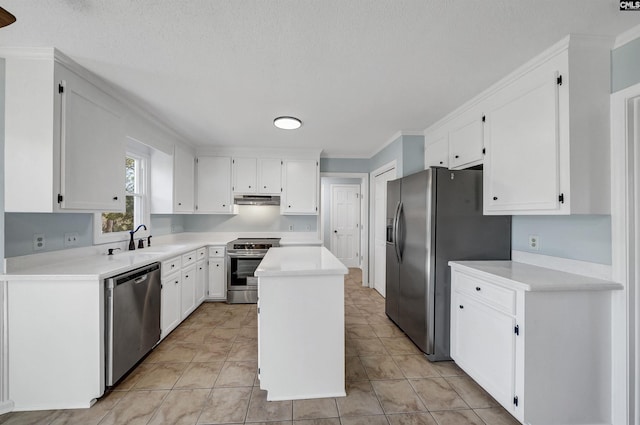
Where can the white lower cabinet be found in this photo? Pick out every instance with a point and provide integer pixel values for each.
(217, 282)
(202, 274)
(536, 339)
(188, 291)
(170, 306)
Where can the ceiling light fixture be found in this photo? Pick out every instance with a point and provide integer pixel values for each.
(6, 18)
(287, 123)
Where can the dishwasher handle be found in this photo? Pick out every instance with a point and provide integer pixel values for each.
(140, 279)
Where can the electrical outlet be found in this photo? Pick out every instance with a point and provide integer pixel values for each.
(308, 228)
(291, 227)
(38, 242)
(534, 242)
(71, 239)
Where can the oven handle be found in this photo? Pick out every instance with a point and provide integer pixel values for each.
(240, 255)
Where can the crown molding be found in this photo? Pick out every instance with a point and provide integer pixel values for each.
(395, 137)
(627, 36)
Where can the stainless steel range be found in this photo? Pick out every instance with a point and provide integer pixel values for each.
(243, 257)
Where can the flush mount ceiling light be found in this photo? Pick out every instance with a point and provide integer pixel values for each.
(6, 18)
(287, 123)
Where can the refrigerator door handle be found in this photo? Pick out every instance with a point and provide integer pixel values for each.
(396, 236)
(396, 217)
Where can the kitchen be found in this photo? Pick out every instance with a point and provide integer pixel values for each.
(586, 238)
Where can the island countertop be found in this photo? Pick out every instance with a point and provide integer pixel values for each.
(300, 261)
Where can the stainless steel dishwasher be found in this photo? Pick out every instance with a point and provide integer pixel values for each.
(132, 324)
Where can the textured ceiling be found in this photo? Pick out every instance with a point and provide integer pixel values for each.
(355, 71)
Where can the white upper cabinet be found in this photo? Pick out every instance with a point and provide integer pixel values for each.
(270, 176)
(257, 175)
(300, 186)
(214, 185)
(245, 175)
(466, 141)
(436, 153)
(172, 181)
(183, 181)
(547, 134)
(64, 137)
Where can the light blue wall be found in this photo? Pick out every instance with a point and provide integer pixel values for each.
(251, 218)
(2, 88)
(578, 237)
(412, 154)
(392, 151)
(20, 227)
(344, 165)
(625, 66)
(164, 224)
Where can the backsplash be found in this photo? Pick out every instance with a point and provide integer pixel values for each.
(251, 218)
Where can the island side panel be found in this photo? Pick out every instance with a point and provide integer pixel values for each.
(56, 343)
(301, 336)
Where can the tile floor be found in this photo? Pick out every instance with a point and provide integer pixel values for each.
(205, 373)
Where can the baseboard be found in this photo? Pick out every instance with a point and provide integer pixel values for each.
(584, 268)
(6, 407)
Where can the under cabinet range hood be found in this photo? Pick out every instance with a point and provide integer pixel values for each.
(256, 200)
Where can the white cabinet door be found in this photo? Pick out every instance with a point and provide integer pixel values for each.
(92, 148)
(466, 142)
(214, 185)
(300, 177)
(436, 154)
(170, 303)
(202, 273)
(483, 344)
(245, 175)
(217, 279)
(522, 164)
(188, 291)
(183, 180)
(270, 176)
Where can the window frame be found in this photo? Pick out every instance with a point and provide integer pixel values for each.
(142, 183)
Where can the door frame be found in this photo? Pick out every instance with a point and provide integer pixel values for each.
(625, 209)
(372, 176)
(364, 213)
(360, 229)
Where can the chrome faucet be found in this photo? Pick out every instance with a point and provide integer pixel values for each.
(132, 244)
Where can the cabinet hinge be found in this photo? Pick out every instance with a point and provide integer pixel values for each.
(196, 207)
(258, 310)
(561, 198)
(517, 330)
(316, 208)
(60, 88)
(559, 80)
(196, 160)
(515, 401)
(233, 161)
(281, 162)
(484, 118)
(258, 371)
(484, 151)
(60, 198)
(317, 163)
(233, 188)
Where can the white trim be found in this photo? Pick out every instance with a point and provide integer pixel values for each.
(6, 407)
(627, 36)
(395, 137)
(625, 405)
(567, 265)
(393, 165)
(364, 213)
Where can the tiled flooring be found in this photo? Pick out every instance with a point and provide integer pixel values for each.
(205, 373)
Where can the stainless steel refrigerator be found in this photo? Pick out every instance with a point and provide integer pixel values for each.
(435, 216)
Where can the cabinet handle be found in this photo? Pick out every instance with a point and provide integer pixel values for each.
(461, 306)
(478, 288)
(115, 198)
(457, 156)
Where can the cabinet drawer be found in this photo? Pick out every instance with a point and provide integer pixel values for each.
(201, 254)
(188, 258)
(170, 266)
(216, 251)
(501, 298)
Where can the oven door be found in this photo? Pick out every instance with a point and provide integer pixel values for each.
(240, 271)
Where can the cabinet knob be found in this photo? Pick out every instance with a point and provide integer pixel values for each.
(179, 203)
(478, 288)
(495, 198)
(115, 198)
(187, 276)
(461, 306)
(176, 282)
(335, 231)
(457, 156)
(265, 187)
(289, 206)
(441, 163)
(217, 265)
(224, 205)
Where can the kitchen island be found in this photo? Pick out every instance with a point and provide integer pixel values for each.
(301, 323)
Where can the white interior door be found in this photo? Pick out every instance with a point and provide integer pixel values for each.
(380, 228)
(345, 223)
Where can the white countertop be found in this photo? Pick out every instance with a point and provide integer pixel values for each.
(300, 261)
(532, 278)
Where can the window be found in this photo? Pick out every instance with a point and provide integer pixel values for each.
(115, 226)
